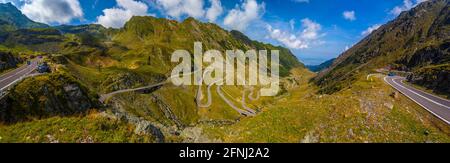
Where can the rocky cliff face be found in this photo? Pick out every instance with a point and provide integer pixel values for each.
(45, 96)
(8, 60)
(430, 55)
(436, 78)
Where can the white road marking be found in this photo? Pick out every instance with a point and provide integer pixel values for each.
(433, 95)
(20, 78)
(446, 121)
(437, 103)
(14, 74)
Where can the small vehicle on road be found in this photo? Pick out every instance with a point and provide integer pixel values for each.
(28, 62)
(43, 68)
(391, 74)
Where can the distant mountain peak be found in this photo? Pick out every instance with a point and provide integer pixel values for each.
(322, 66)
(10, 15)
(9, 4)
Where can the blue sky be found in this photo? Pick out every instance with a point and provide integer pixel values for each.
(315, 30)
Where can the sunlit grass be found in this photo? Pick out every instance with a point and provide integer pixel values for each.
(364, 113)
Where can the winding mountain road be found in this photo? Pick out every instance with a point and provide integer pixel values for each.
(244, 104)
(247, 112)
(104, 97)
(437, 106)
(224, 98)
(10, 78)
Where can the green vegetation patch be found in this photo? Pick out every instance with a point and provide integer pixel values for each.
(85, 129)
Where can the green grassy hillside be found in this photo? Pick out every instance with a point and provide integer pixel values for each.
(101, 60)
(90, 61)
(367, 112)
(93, 128)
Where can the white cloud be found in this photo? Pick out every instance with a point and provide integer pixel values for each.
(52, 11)
(116, 17)
(346, 48)
(214, 11)
(292, 24)
(240, 17)
(311, 29)
(177, 8)
(407, 4)
(309, 35)
(349, 15)
(370, 29)
(14, 2)
(287, 39)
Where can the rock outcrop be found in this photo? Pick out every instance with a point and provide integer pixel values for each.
(436, 78)
(46, 96)
(8, 60)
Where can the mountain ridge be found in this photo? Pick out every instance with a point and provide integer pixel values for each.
(322, 66)
(105, 60)
(424, 27)
(10, 15)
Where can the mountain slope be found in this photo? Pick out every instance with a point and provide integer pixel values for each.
(416, 38)
(169, 35)
(137, 55)
(322, 66)
(13, 18)
(287, 59)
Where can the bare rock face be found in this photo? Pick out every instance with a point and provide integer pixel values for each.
(142, 126)
(77, 97)
(7, 61)
(430, 55)
(436, 78)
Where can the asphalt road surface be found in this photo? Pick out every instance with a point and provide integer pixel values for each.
(15, 75)
(437, 106)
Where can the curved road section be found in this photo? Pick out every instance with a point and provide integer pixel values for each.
(437, 106)
(8, 79)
